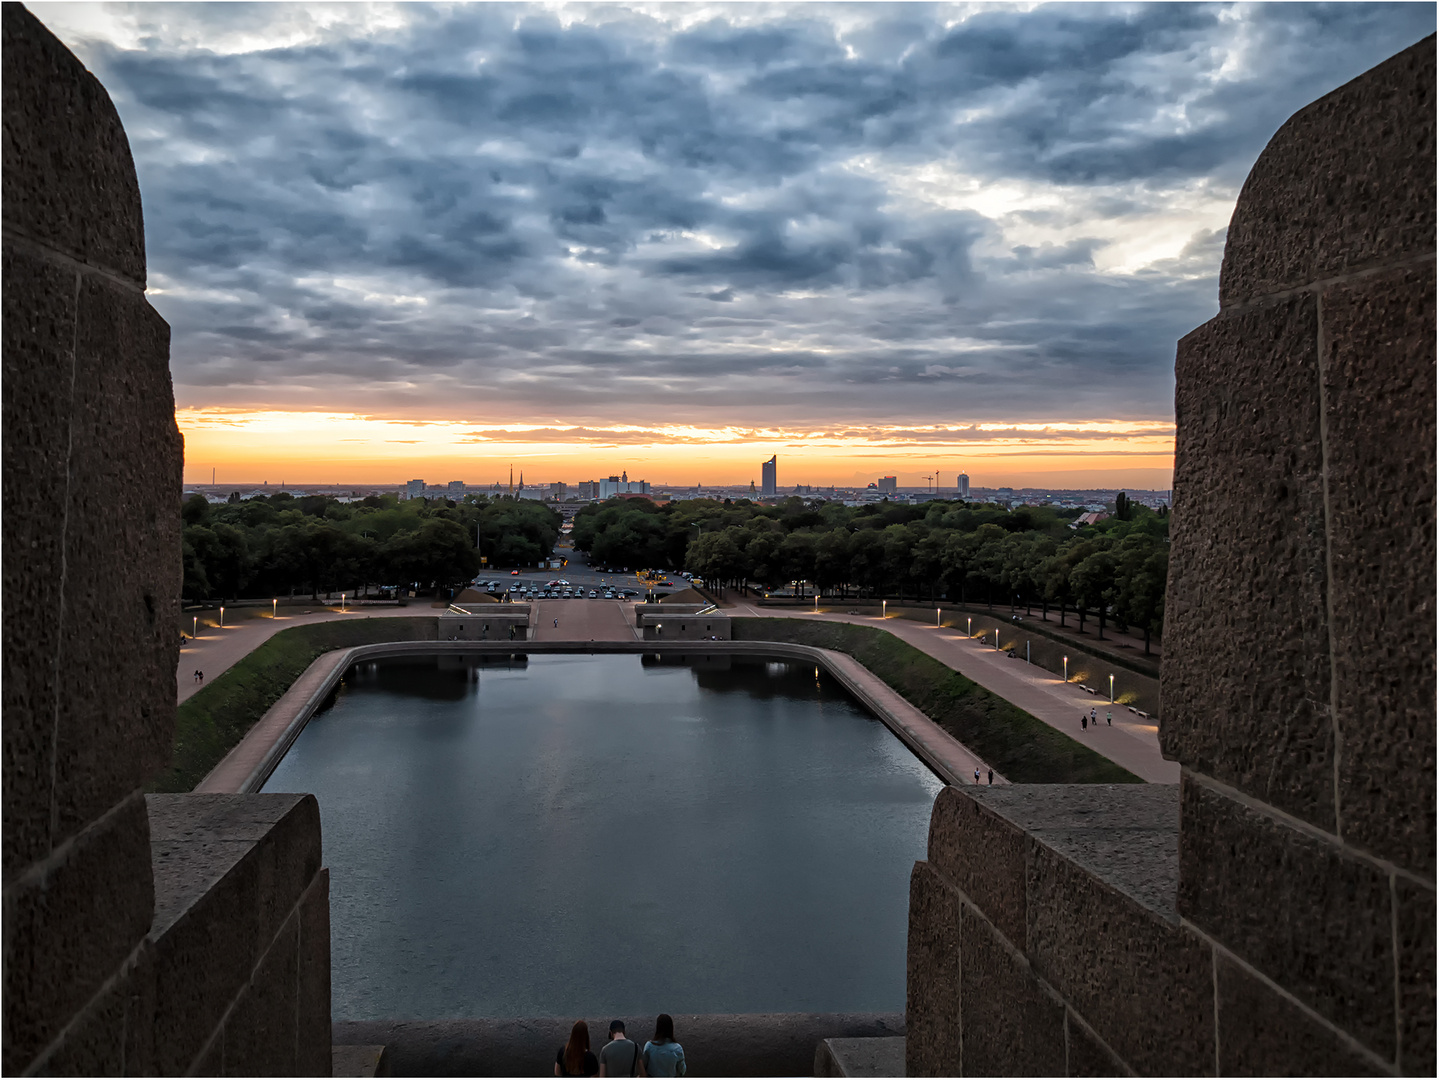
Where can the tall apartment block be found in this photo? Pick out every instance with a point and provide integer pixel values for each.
(769, 478)
(962, 483)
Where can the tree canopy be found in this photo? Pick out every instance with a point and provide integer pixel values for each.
(279, 545)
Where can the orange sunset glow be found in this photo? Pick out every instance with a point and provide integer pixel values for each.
(348, 448)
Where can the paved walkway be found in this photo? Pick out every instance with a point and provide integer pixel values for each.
(1130, 742)
(217, 650)
(585, 620)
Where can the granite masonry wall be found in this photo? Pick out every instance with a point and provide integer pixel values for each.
(1273, 913)
(136, 938)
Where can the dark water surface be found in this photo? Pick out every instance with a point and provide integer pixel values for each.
(597, 835)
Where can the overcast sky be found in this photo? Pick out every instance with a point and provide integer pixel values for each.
(849, 218)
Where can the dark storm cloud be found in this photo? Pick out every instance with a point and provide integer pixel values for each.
(770, 212)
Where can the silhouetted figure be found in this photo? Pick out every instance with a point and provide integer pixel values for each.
(662, 1055)
(620, 1056)
(1083, 722)
(574, 1058)
(991, 778)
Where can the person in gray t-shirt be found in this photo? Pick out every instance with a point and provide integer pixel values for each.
(620, 1057)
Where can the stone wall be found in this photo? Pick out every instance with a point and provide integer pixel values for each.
(1275, 912)
(92, 477)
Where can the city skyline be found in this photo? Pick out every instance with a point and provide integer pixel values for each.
(872, 239)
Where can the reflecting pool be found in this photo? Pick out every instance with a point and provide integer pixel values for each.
(576, 835)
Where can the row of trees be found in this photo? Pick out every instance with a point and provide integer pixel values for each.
(281, 545)
(1114, 571)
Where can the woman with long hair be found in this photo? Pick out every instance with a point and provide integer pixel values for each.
(662, 1055)
(574, 1058)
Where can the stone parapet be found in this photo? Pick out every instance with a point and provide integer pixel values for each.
(241, 936)
(754, 1044)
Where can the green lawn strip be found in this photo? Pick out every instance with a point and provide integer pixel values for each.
(213, 720)
(1021, 747)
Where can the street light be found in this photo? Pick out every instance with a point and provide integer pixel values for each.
(274, 607)
(342, 601)
(1066, 669)
(195, 630)
(969, 626)
(222, 616)
(936, 618)
(1111, 689)
(884, 609)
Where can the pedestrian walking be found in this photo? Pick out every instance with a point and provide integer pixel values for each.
(557, 624)
(574, 1057)
(200, 676)
(621, 1056)
(663, 1056)
(1109, 718)
(976, 776)
(1083, 722)
(1094, 716)
(991, 778)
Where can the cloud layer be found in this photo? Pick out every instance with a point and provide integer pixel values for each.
(722, 216)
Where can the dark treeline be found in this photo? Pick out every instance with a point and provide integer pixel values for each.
(282, 545)
(966, 553)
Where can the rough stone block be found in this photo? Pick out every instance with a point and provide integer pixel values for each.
(1414, 909)
(932, 1028)
(1347, 182)
(1127, 834)
(982, 853)
(1011, 1026)
(1295, 907)
(68, 179)
(121, 580)
(1140, 981)
(845, 1057)
(70, 929)
(38, 334)
(1378, 366)
(313, 1034)
(1087, 1055)
(229, 871)
(261, 1031)
(1261, 1033)
(1245, 685)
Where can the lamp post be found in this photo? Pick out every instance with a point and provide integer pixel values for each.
(969, 626)
(195, 629)
(937, 622)
(342, 601)
(1066, 669)
(222, 616)
(816, 601)
(274, 607)
(1111, 689)
(884, 609)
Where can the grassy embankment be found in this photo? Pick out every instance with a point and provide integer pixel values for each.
(214, 719)
(1021, 747)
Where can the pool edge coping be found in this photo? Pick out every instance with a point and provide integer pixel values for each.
(251, 761)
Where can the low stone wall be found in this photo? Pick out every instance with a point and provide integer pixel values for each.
(492, 622)
(1043, 938)
(240, 944)
(764, 1044)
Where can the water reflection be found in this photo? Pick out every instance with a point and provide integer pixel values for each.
(585, 835)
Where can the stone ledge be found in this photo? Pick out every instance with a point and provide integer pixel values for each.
(860, 1057)
(230, 871)
(756, 1044)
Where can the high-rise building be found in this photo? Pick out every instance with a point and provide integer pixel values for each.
(455, 489)
(622, 485)
(557, 490)
(414, 489)
(589, 489)
(888, 484)
(769, 478)
(963, 484)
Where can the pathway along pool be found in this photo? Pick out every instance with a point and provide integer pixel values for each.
(578, 835)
